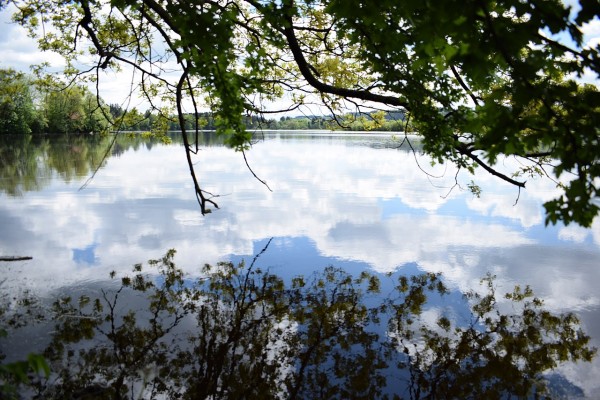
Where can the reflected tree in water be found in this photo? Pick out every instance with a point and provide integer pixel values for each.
(494, 356)
(29, 162)
(18, 311)
(20, 170)
(242, 332)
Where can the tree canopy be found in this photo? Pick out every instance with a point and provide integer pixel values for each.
(477, 80)
(17, 111)
(31, 105)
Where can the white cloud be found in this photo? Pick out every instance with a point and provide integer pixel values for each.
(573, 233)
(591, 29)
(18, 50)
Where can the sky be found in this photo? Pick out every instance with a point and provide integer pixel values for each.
(18, 51)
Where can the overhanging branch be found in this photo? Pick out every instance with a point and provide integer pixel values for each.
(306, 71)
(202, 200)
(469, 154)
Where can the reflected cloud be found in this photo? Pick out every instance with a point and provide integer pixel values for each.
(353, 203)
(142, 202)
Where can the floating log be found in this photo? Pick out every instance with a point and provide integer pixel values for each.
(15, 258)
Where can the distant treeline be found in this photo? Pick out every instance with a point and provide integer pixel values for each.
(379, 121)
(32, 105)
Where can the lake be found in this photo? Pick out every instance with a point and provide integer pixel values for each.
(358, 201)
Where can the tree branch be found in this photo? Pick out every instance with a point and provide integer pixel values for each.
(462, 149)
(306, 71)
(202, 200)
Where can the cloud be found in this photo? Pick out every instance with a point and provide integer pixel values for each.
(18, 50)
(591, 29)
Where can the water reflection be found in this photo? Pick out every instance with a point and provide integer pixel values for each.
(357, 202)
(243, 332)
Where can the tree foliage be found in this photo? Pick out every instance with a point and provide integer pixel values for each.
(17, 111)
(31, 105)
(74, 110)
(479, 81)
(242, 332)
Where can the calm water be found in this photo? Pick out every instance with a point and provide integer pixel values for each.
(357, 202)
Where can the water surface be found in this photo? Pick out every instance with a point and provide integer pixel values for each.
(355, 201)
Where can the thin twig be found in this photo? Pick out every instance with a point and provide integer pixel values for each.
(257, 178)
(260, 253)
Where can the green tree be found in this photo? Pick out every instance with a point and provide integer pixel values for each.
(116, 110)
(74, 109)
(58, 109)
(478, 80)
(96, 117)
(18, 114)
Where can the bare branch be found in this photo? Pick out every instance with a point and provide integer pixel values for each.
(202, 200)
(250, 169)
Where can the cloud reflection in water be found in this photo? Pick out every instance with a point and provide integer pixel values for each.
(353, 201)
